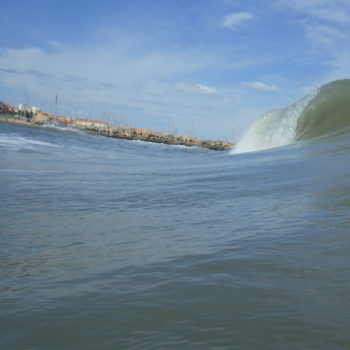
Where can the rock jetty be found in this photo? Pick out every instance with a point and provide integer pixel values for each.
(132, 133)
(122, 132)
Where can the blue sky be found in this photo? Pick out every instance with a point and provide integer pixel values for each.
(209, 67)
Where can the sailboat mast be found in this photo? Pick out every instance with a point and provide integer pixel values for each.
(56, 101)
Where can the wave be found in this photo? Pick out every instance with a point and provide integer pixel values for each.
(14, 141)
(324, 111)
(65, 129)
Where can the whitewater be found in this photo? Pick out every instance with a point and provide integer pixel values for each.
(114, 244)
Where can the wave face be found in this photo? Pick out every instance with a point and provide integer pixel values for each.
(322, 112)
(327, 113)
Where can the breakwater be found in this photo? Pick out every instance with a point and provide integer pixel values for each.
(128, 133)
(132, 133)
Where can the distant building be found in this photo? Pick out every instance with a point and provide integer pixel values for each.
(90, 123)
(8, 108)
(24, 111)
(35, 110)
(22, 107)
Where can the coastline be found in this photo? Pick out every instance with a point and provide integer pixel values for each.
(132, 133)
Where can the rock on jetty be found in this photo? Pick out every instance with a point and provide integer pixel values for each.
(132, 133)
(122, 132)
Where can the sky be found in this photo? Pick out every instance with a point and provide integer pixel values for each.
(202, 67)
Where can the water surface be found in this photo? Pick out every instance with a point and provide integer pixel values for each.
(114, 244)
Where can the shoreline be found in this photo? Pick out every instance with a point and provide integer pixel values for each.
(132, 133)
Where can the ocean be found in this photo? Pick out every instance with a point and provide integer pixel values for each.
(115, 244)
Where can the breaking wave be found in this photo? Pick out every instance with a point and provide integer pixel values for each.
(325, 111)
(66, 129)
(14, 141)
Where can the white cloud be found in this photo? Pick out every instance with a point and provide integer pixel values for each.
(324, 35)
(331, 15)
(336, 11)
(234, 19)
(260, 86)
(340, 67)
(196, 89)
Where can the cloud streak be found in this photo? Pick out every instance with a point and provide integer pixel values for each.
(336, 11)
(196, 89)
(258, 85)
(324, 35)
(233, 20)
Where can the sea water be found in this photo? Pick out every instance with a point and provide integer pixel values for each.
(115, 244)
